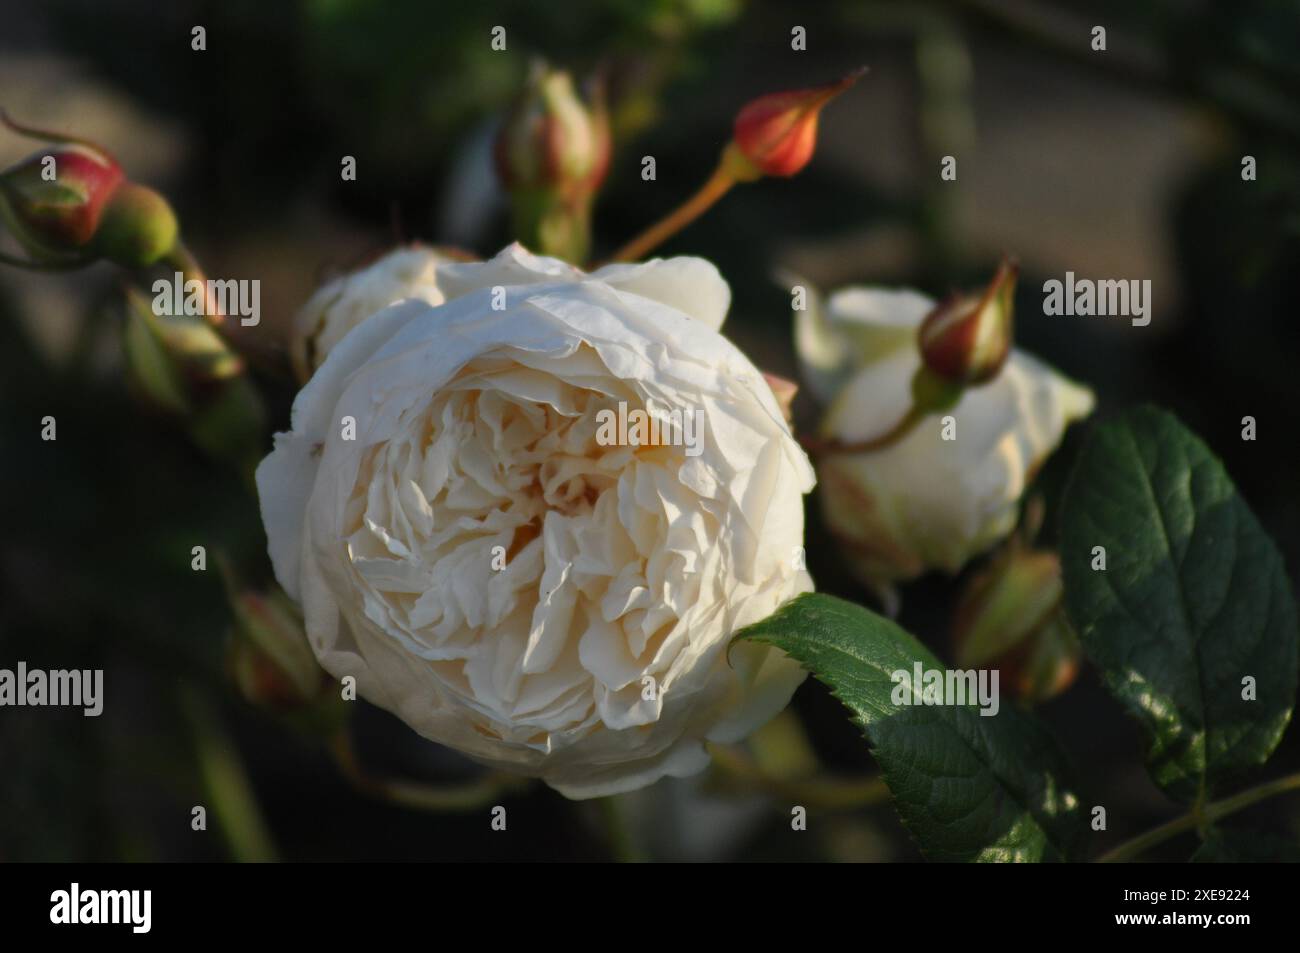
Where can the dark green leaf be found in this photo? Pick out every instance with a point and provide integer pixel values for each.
(968, 786)
(1193, 600)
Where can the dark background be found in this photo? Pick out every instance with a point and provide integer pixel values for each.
(1122, 164)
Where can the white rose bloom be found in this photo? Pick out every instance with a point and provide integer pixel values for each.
(340, 305)
(597, 657)
(923, 502)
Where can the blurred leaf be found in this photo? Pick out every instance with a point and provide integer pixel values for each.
(231, 425)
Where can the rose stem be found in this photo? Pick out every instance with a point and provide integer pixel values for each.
(622, 844)
(226, 782)
(463, 797)
(832, 794)
(1211, 812)
(718, 184)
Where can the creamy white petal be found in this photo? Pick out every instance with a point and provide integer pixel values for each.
(691, 285)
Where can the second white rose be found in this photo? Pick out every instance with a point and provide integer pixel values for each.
(929, 500)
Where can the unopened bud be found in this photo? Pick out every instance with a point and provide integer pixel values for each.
(269, 657)
(70, 203)
(551, 139)
(552, 154)
(1011, 618)
(777, 133)
(180, 365)
(54, 199)
(168, 356)
(966, 339)
(138, 228)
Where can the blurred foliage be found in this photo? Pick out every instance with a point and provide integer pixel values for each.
(392, 83)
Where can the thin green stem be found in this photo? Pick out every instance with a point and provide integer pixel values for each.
(226, 783)
(820, 445)
(718, 184)
(622, 844)
(453, 798)
(32, 132)
(823, 793)
(1200, 818)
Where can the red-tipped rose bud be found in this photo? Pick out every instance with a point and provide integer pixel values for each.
(552, 154)
(55, 197)
(776, 133)
(71, 203)
(966, 339)
(1011, 618)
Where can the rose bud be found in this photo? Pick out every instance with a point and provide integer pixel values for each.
(1011, 618)
(268, 655)
(967, 338)
(71, 204)
(181, 366)
(477, 540)
(57, 217)
(138, 228)
(552, 155)
(168, 357)
(920, 502)
(776, 133)
(551, 139)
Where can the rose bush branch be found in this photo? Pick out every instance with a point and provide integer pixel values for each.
(1199, 819)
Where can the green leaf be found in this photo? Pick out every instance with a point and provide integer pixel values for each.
(1233, 846)
(1194, 598)
(968, 786)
